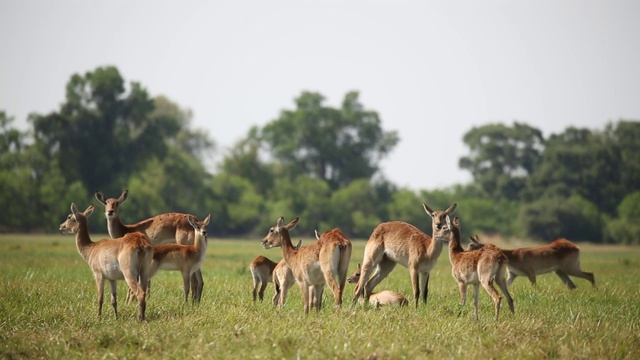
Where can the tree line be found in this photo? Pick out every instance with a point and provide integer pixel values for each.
(313, 161)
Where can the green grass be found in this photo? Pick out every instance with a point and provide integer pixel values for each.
(48, 310)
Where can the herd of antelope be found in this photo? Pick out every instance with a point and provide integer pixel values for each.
(178, 242)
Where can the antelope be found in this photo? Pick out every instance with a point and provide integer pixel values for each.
(184, 258)
(398, 242)
(263, 271)
(128, 257)
(382, 298)
(561, 256)
(482, 266)
(314, 265)
(161, 229)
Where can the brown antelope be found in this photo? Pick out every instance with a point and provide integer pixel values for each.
(475, 267)
(561, 256)
(398, 242)
(382, 298)
(161, 229)
(128, 258)
(263, 271)
(184, 258)
(315, 264)
(283, 279)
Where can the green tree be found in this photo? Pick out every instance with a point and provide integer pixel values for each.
(357, 208)
(243, 160)
(235, 205)
(579, 162)
(501, 157)
(17, 187)
(104, 131)
(623, 138)
(488, 216)
(406, 206)
(192, 141)
(625, 228)
(336, 145)
(550, 218)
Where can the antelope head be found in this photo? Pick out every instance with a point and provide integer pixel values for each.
(353, 279)
(111, 205)
(274, 236)
(72, 224)
(438, 218)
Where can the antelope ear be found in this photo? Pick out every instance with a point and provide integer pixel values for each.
(100, 198)
(123, 196)
(280, 223)
(89, 210)
(74, 209)
(451, 208)
(292, 223)
(456, 222)
(206, 220)
(192, 221)
(428, 209)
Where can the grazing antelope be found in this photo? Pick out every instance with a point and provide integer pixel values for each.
(382, 298)
(184, 258)
(315, 264)
(398, 242)
(161, 229)
(482, 266)
(263, 271)
(128, 257)
(561, 256)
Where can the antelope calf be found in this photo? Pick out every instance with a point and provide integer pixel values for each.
(264, 271)
(561, 256)
(398, 242)
(161, 229)
(382, 298)
(126, 258)
(474, 267)
(184, 258)
(313, 265)
(283, 279)
(387, 298)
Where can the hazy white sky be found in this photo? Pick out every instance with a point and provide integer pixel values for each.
(432, 69)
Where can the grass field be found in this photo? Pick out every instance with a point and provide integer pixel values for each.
(48, 310)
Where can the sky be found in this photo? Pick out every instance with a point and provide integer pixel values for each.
(432, 70)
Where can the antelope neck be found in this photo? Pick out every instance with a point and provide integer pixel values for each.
(83, 241)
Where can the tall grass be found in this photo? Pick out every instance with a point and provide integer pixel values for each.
(48, 309)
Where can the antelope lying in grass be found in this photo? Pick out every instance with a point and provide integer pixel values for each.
(561, 256)
(161, 229)
(475, 267)
(128, 257)
(398, 242)
(264, 270)
(184, 258)
(382, 298)
(315, 264)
